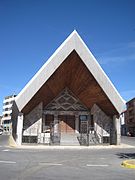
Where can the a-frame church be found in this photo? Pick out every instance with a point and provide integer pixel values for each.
(69, 101)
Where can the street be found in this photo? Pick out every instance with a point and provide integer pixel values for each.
(64, 164)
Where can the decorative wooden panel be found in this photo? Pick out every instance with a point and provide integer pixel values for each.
(66, 101)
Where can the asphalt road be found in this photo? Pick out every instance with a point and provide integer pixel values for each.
(128, 140)
(64, 164)
(4, 140)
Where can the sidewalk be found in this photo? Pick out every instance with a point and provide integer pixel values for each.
(47, 147)
(12, 144)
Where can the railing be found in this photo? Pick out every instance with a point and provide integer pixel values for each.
(98, 137)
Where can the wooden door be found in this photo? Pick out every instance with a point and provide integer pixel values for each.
(62, 123)
(70, 120)
(67, 123)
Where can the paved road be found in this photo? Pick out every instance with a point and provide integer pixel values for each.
(86, 164)
(128, 140)
(4, 140)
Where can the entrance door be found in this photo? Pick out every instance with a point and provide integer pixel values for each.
(67, 123)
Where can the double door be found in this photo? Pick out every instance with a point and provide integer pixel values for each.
(67, 123)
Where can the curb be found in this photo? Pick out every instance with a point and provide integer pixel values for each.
(43, 147)
(129, 164)
(11, 142)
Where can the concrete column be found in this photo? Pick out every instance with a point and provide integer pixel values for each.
(19, 128)
(77, 123)
(56, 125)
(115, 136)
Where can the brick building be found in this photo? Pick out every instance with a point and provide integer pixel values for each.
(130, 117)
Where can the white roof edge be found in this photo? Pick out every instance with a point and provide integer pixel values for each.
(73, 42)
(46, 63)
(98, 65)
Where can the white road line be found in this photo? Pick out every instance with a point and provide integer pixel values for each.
(8, 162)
(50, 164)
(97, 165)
(6, 150)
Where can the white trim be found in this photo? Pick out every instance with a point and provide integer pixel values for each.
(73, 42)
(8, 162)
(97, 165)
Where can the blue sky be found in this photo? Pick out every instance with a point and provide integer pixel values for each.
(31, 30)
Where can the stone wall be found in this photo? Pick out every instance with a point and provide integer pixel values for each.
(102, 122)
(33, 122)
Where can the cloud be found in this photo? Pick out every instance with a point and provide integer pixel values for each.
(121, 53)
(117, 59)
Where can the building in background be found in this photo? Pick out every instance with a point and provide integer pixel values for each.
(123, 125)
(7, 112)
(130, 117)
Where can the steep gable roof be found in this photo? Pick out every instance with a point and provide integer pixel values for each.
(72, 43)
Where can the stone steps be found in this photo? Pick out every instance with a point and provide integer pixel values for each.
(69, 139)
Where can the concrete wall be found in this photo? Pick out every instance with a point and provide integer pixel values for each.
(33, 121)
(102, 123)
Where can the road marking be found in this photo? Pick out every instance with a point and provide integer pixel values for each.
(97, 165)
(8, 162)
(50, 164)
(5, 150)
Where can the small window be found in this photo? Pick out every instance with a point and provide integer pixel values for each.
(46, 122)
(83, 117)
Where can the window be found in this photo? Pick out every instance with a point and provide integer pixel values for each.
(83, 117)
(6, 103)
(6, 115)
(7, 122)
(46, 122)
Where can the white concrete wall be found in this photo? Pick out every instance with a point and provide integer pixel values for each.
(102, 122)
(33, 121)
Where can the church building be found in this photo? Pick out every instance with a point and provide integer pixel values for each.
(69, 101)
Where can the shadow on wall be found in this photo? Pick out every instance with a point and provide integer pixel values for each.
(103, 123)
(32, 121)
(126, 155)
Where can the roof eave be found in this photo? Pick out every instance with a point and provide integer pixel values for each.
(73, 42)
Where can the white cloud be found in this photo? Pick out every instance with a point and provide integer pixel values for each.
(120, 54)
(117, 59)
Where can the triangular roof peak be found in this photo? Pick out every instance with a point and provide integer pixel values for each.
(73, 42)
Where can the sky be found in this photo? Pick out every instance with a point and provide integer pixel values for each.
(31, 30)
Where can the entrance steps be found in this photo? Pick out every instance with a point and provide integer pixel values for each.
(69, 139)
(74, 140)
